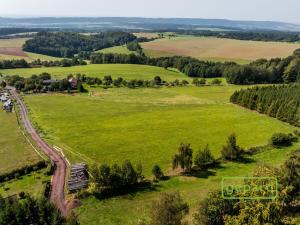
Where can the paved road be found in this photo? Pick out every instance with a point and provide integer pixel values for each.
(58, 181)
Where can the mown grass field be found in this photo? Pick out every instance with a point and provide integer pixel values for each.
(218, 49)
(15, 152)
(12, 49)
(117, 50)
(146, 125)
(115, 70)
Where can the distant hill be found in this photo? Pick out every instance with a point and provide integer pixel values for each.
(106, 23)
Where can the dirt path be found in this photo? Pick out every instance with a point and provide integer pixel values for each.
(58, 181)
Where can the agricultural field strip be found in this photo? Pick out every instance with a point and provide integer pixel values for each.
(218, 49)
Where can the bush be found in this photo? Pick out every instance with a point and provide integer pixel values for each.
(47, 189)
(232, 151)
(157, 172)
(111, 180)
(212, 209)
(169, 209)
(281, 139)
(204, 159)
(216, 81)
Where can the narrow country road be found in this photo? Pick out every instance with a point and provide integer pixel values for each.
(58, 181)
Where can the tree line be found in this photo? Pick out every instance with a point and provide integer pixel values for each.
(43, 83)
(278, 36)
(204, 159)
(5, 31)
(26, 210)
(22, 63)
(17, 173)
(107, 81)
(280, 101)
(261, 71)
(67, 44)
(115, 179)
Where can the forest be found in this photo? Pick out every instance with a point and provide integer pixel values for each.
(255, 35)
(281, 101)
(67, 44)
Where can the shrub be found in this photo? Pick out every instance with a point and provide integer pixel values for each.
(212, 209)
(204, 159)
(231, 151)
(216, 81)
(110, 180)
(169, 209)
(157, 172)
(281, 139)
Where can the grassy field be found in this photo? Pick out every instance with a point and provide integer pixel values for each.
(15, 152)
(12, 49)
(32, 184)
(117, 50)
(146, 125)
(146, 35)
(218, 49)
(115, 70)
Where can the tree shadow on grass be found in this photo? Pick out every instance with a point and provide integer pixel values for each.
(203, 173)
(245, 160)
(129, 191)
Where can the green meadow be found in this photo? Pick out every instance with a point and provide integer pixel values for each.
(32, 183)
(126, 71)
(15, 152)
(147, 125)
(117, 50)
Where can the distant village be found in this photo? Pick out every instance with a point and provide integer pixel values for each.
(7, 101)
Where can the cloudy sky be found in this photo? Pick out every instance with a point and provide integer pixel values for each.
(276, 10)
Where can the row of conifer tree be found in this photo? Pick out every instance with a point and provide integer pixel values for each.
(281, 101)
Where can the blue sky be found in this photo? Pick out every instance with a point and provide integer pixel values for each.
(276, 10)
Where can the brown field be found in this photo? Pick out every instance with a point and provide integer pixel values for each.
(12, 49)
(218, 49)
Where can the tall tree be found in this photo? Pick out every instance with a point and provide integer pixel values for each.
(184, 158)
